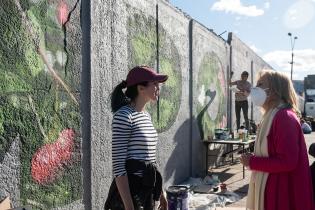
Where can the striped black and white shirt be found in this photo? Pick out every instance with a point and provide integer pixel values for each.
(134, 137)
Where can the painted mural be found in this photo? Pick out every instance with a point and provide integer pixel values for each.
(38, 100)
(142, 47)
(211, 90)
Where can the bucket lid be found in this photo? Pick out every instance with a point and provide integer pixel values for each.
(177, 189)
(218, 131)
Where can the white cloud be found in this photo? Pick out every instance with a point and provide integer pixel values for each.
(236, 7)
(267, 5)
(299, 14)
(254, 48)
(304, 62)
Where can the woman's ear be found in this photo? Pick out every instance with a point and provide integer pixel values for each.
(140, 88)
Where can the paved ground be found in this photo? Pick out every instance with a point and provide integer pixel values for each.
(232, 175)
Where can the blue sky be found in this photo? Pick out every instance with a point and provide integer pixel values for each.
(264, 26)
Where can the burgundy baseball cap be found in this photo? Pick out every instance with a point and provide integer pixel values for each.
(144, 74)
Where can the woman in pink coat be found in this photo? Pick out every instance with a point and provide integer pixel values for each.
(281, 178)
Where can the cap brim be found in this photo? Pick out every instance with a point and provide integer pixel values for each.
(161, 78)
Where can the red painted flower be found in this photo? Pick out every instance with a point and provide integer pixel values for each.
(63, 12)
(49, 160)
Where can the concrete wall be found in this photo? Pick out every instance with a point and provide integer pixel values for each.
(174, 150)
(91, 52)
(210, 61)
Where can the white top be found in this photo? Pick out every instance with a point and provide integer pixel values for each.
(133, 137)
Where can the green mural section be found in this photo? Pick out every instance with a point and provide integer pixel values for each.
(142, 40)
(35, 108)
(142, 48)
(211, 95)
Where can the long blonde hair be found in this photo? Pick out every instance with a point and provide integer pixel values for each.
(282, 87)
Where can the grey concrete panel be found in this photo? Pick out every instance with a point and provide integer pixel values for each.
(101, 86)
(174, 150)
(111, 54)
(210, 61)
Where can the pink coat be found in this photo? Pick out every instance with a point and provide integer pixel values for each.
(289, 185)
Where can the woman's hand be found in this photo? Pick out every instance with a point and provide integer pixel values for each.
(163, 202)
(245, 159)
(124, 191)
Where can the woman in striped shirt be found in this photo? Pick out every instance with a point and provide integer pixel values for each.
(137, 182)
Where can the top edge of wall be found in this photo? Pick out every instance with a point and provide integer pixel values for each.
(234, 38)
(206, 29)
(176, 9)
(179, 10)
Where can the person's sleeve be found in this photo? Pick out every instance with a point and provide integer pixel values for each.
(249, 86)
(233, 83)
(121, 131)
(286, 136)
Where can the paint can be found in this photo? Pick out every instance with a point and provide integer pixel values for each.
(177, 197)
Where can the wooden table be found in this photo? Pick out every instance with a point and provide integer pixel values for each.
(231, 142)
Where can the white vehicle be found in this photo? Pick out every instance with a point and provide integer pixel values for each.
(310, 109)
(301, 101)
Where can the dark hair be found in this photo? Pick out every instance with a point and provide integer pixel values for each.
(311, 150)
(245, 73)
(119, 98)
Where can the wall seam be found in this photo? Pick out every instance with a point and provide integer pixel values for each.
(85, 103)
(191, 93)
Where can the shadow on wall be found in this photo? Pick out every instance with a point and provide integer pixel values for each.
(177, 167)
(179, 164)
(185, 158)
(198, 151)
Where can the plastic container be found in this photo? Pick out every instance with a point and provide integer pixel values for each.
(236, 136)
(241, 134)
(245, 136)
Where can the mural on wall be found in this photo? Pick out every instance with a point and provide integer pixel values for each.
(211, 90)
(38, 104)
(142, 47)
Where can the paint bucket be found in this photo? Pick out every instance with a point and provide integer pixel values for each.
(177, 197)
(221, 134)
